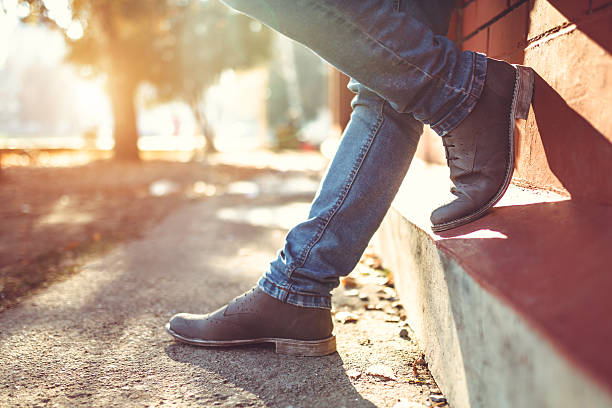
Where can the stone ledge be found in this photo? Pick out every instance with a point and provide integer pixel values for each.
(514, 309)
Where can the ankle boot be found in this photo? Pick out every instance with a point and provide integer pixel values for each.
(256, 317)
(480, 151)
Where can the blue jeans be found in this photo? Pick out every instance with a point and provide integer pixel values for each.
(405, 74)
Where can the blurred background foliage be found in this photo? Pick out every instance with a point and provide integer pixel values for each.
(178, 47)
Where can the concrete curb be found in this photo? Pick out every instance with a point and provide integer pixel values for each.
(481, 350)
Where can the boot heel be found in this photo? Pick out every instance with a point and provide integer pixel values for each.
(312, 348)
(523, 91)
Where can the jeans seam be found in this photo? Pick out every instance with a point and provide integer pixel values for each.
(461, 105)
(467, 95)
(290, 291)
(343, 194)
(389, 50)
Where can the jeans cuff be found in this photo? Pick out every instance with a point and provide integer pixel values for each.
(466, 105)
(290, 296)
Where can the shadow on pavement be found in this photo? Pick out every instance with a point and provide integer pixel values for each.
(274, 379)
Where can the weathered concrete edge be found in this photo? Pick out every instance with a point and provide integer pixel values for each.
(481, 352)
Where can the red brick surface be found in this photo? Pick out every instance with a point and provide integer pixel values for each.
(479, 12)
(516, 57)
(453, 28)
(571, 9)
(478, 42)
(339, 99)
(545, 15)
(567, 143)
(509, 33)
(489, 9)
(470, 19)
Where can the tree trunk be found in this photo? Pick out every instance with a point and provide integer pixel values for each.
(209, 134)
(125, 132)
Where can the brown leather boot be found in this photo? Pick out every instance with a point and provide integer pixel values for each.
(256, 317)
(480, 151)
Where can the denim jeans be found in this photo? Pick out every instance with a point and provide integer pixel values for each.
(405, 73)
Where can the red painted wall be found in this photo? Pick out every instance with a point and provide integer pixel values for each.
(566, 143)
(339, 100)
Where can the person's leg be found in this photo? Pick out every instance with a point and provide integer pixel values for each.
(375, 152)
(405, 62)
(376, 149)
(372, 159)
(356, 193)
(358, 188)
(391, 52)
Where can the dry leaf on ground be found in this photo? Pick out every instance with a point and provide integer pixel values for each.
(353, 374)
(382, 371)
(346, 317)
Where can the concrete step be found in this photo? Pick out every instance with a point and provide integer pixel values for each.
(513, 310)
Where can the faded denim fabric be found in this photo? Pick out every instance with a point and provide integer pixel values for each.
(405, 73)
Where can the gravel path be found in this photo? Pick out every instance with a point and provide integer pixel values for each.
(97, 339)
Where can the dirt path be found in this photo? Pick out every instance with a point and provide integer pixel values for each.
(97, 339)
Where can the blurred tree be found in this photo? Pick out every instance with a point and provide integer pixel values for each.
(179, 46)
(207, 39)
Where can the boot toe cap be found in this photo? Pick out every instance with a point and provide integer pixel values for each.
(454, 211)
(443, 214)
(185, 324)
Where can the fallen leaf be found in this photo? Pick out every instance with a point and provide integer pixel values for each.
(353, 374)
(365, 342)
(382, 371)
(346, 317)
(390, 281)
(381, 280)
(390, 292)
(363, 271)
(392, 312)
(418, 362)
(351, 293)
(349, 282)
(373, 262)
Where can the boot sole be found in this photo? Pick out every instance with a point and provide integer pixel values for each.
(521, 101)
(305, 348)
